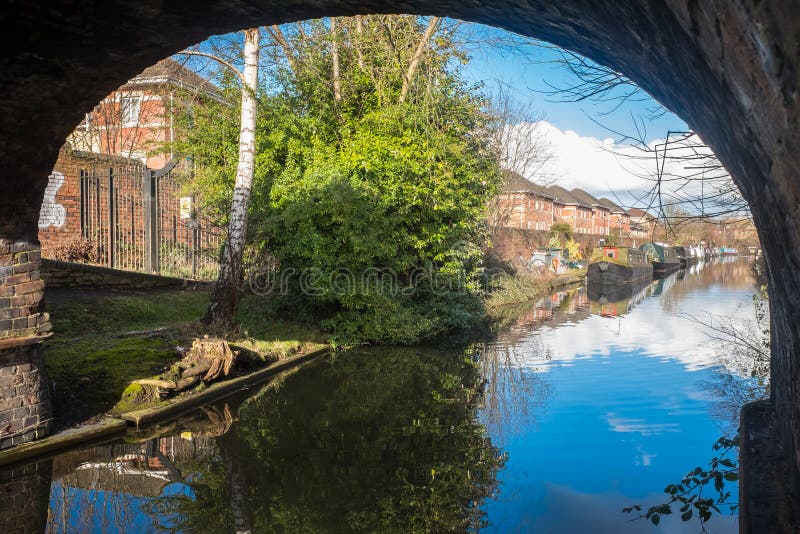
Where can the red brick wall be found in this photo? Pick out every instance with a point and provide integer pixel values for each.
(60, 219)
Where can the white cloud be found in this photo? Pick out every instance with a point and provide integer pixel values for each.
(650, 328)
(602, 167)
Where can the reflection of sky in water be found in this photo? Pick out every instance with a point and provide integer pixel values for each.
(96, 511)
(626, 414)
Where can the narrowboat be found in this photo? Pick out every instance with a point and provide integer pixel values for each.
(683, 256)
(618, 265)
(662, 257)
(604, 298)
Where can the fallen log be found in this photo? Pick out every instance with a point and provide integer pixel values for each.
(207, 360)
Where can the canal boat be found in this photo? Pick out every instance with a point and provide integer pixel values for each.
(662, 257)
(618, 265)
(683, 255)
(616, 299)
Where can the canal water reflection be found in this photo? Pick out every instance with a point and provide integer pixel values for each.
(600, 403)
(579, 407)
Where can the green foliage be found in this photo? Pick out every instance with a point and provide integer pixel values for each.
(574, 249)
(369, 181)
(560, 233)
(390, 442)
(688, 497)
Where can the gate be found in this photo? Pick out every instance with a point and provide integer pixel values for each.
(136, 220)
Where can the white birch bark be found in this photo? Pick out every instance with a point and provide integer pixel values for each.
(337, 87)
(225, 296)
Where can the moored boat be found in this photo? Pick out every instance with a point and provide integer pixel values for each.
(618, 265)
(684, 256)
(662, 257)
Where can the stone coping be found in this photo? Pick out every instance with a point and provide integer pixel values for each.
(57, 272)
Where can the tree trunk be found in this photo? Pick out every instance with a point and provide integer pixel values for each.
(433, 24)
(225, 296)
(337, 88)
(357, 45)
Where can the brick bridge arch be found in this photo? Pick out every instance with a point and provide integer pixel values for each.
(729, 68)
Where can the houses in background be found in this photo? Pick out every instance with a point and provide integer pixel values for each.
(138, 119)
(115, 196)
(528, 206)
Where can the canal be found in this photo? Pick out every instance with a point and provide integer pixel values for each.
(577, 408)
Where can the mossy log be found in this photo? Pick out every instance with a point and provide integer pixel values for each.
(208, 360)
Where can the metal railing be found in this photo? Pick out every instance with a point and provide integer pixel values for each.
(132, 216)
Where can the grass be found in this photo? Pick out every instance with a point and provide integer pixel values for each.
(522, 288)
(516, 289)
(103, 340)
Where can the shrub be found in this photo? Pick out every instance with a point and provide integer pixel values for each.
(78, 250)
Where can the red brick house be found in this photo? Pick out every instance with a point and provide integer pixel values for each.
(576, 212)
(643, 222)
(137, 120)
(601, 214)
(527, 206)
(524, 204)
(620, 224)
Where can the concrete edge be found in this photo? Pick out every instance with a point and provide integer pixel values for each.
(182, 405)
(107, 429)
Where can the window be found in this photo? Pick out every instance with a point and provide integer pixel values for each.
(129, 107)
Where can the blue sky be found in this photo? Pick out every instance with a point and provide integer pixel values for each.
(526, 72)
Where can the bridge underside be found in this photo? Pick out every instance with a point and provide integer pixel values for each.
(729, 68)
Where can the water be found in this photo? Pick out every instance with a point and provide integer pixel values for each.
(575, 410)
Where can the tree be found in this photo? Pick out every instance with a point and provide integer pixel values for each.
(560, 234)
(373, 154)
(225, 295)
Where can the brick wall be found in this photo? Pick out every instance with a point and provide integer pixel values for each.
(25, 498)
(62, 274)
(21, 291)
(60, 215)
(510, 243)
(24, 399)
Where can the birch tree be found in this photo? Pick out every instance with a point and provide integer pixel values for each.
(225, 295)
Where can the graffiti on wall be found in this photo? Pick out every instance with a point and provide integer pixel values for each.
(52, 214)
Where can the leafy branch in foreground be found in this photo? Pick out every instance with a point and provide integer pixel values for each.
(688, 495)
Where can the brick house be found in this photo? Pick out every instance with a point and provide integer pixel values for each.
(575, 212)
(643, 222)
(525, 206)
(620, 223)
(601, 214)
(137, 120)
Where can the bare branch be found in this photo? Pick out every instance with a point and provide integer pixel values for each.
(230, 66)
(433, 24)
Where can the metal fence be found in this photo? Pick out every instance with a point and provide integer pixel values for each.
(137, 220)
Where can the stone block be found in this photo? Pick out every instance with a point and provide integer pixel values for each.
(31, 286)
(15, 279)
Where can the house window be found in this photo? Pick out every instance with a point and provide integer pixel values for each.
(129, 107)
